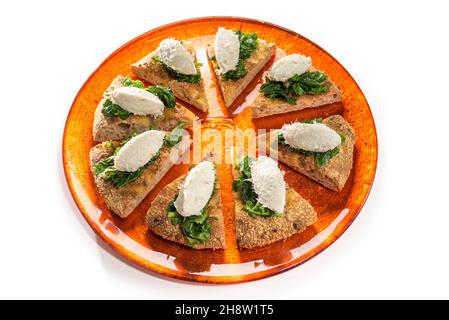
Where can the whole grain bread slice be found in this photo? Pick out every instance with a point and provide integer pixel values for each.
(115, 128)
(334, 174)
(154, 72)
(160, 224)
(264, 107)
(259, 231)
(254, 64)
(122, 201)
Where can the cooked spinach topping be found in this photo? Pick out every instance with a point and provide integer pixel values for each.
(194, 78)
(102, 165)
(105, 168)
(197, 229)
(114, 110)
(213, 58)
(307, 83)
(128, 82)
(175, 136)
(312, 121)
(238, 73)
(164, 94)
(121, 178)
(321, 158)
(248, 43)
(111, 109)
(245, 187)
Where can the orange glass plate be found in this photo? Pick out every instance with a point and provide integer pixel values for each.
(132, 239)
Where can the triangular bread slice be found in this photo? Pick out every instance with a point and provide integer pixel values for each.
(260, 231)
(115, 128)
(122, 201)
(154, 72)
(254, 64)
(160, 224)
(334, 174)
(264, 107)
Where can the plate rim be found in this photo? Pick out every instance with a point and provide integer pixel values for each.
(158, 270)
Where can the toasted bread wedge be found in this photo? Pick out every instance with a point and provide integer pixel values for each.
(232, 89)
(154, 72)
(123, 201)
(115, 128)
(264, 107)
(260, 231)
(160, 224)
(334, 174)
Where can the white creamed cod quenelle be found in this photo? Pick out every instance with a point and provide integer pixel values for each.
(286, 67)
(315, 137)
(196, 190)
(139, 150)
(176, 56)
(137, 101)
(227, 50)
(268, 182)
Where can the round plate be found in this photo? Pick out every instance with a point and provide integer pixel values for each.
(131, 237)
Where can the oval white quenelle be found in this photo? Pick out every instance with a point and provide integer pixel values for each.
(196, 189)
(288, 66)
(137, 101)
(227, 49)
(315, 137)
(268, 182)
(139, 150)
(176, 56)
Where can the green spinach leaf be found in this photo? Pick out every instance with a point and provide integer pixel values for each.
(238, 73)
(307, 83)
(105, 168)
(248, 43)
(255, 208)
(174, 137)
(114, 110)
(128, 82)
(321, 158)
(312, 121)
(197, 229)
(164, 94)
(173, 215)
(194, 78)
(245, 187)
(102, 165)
(121, 178)
(276, 90)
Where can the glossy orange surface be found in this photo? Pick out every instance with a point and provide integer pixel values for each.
(131, 238)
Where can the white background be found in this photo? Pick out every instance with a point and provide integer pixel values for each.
(397, 51)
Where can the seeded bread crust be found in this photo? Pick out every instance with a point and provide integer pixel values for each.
(160, 224)
(154, 72)
(334, 174)
(122, 201)
(254, 64)
(264, 107)
(260, 231)
(114, 128)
